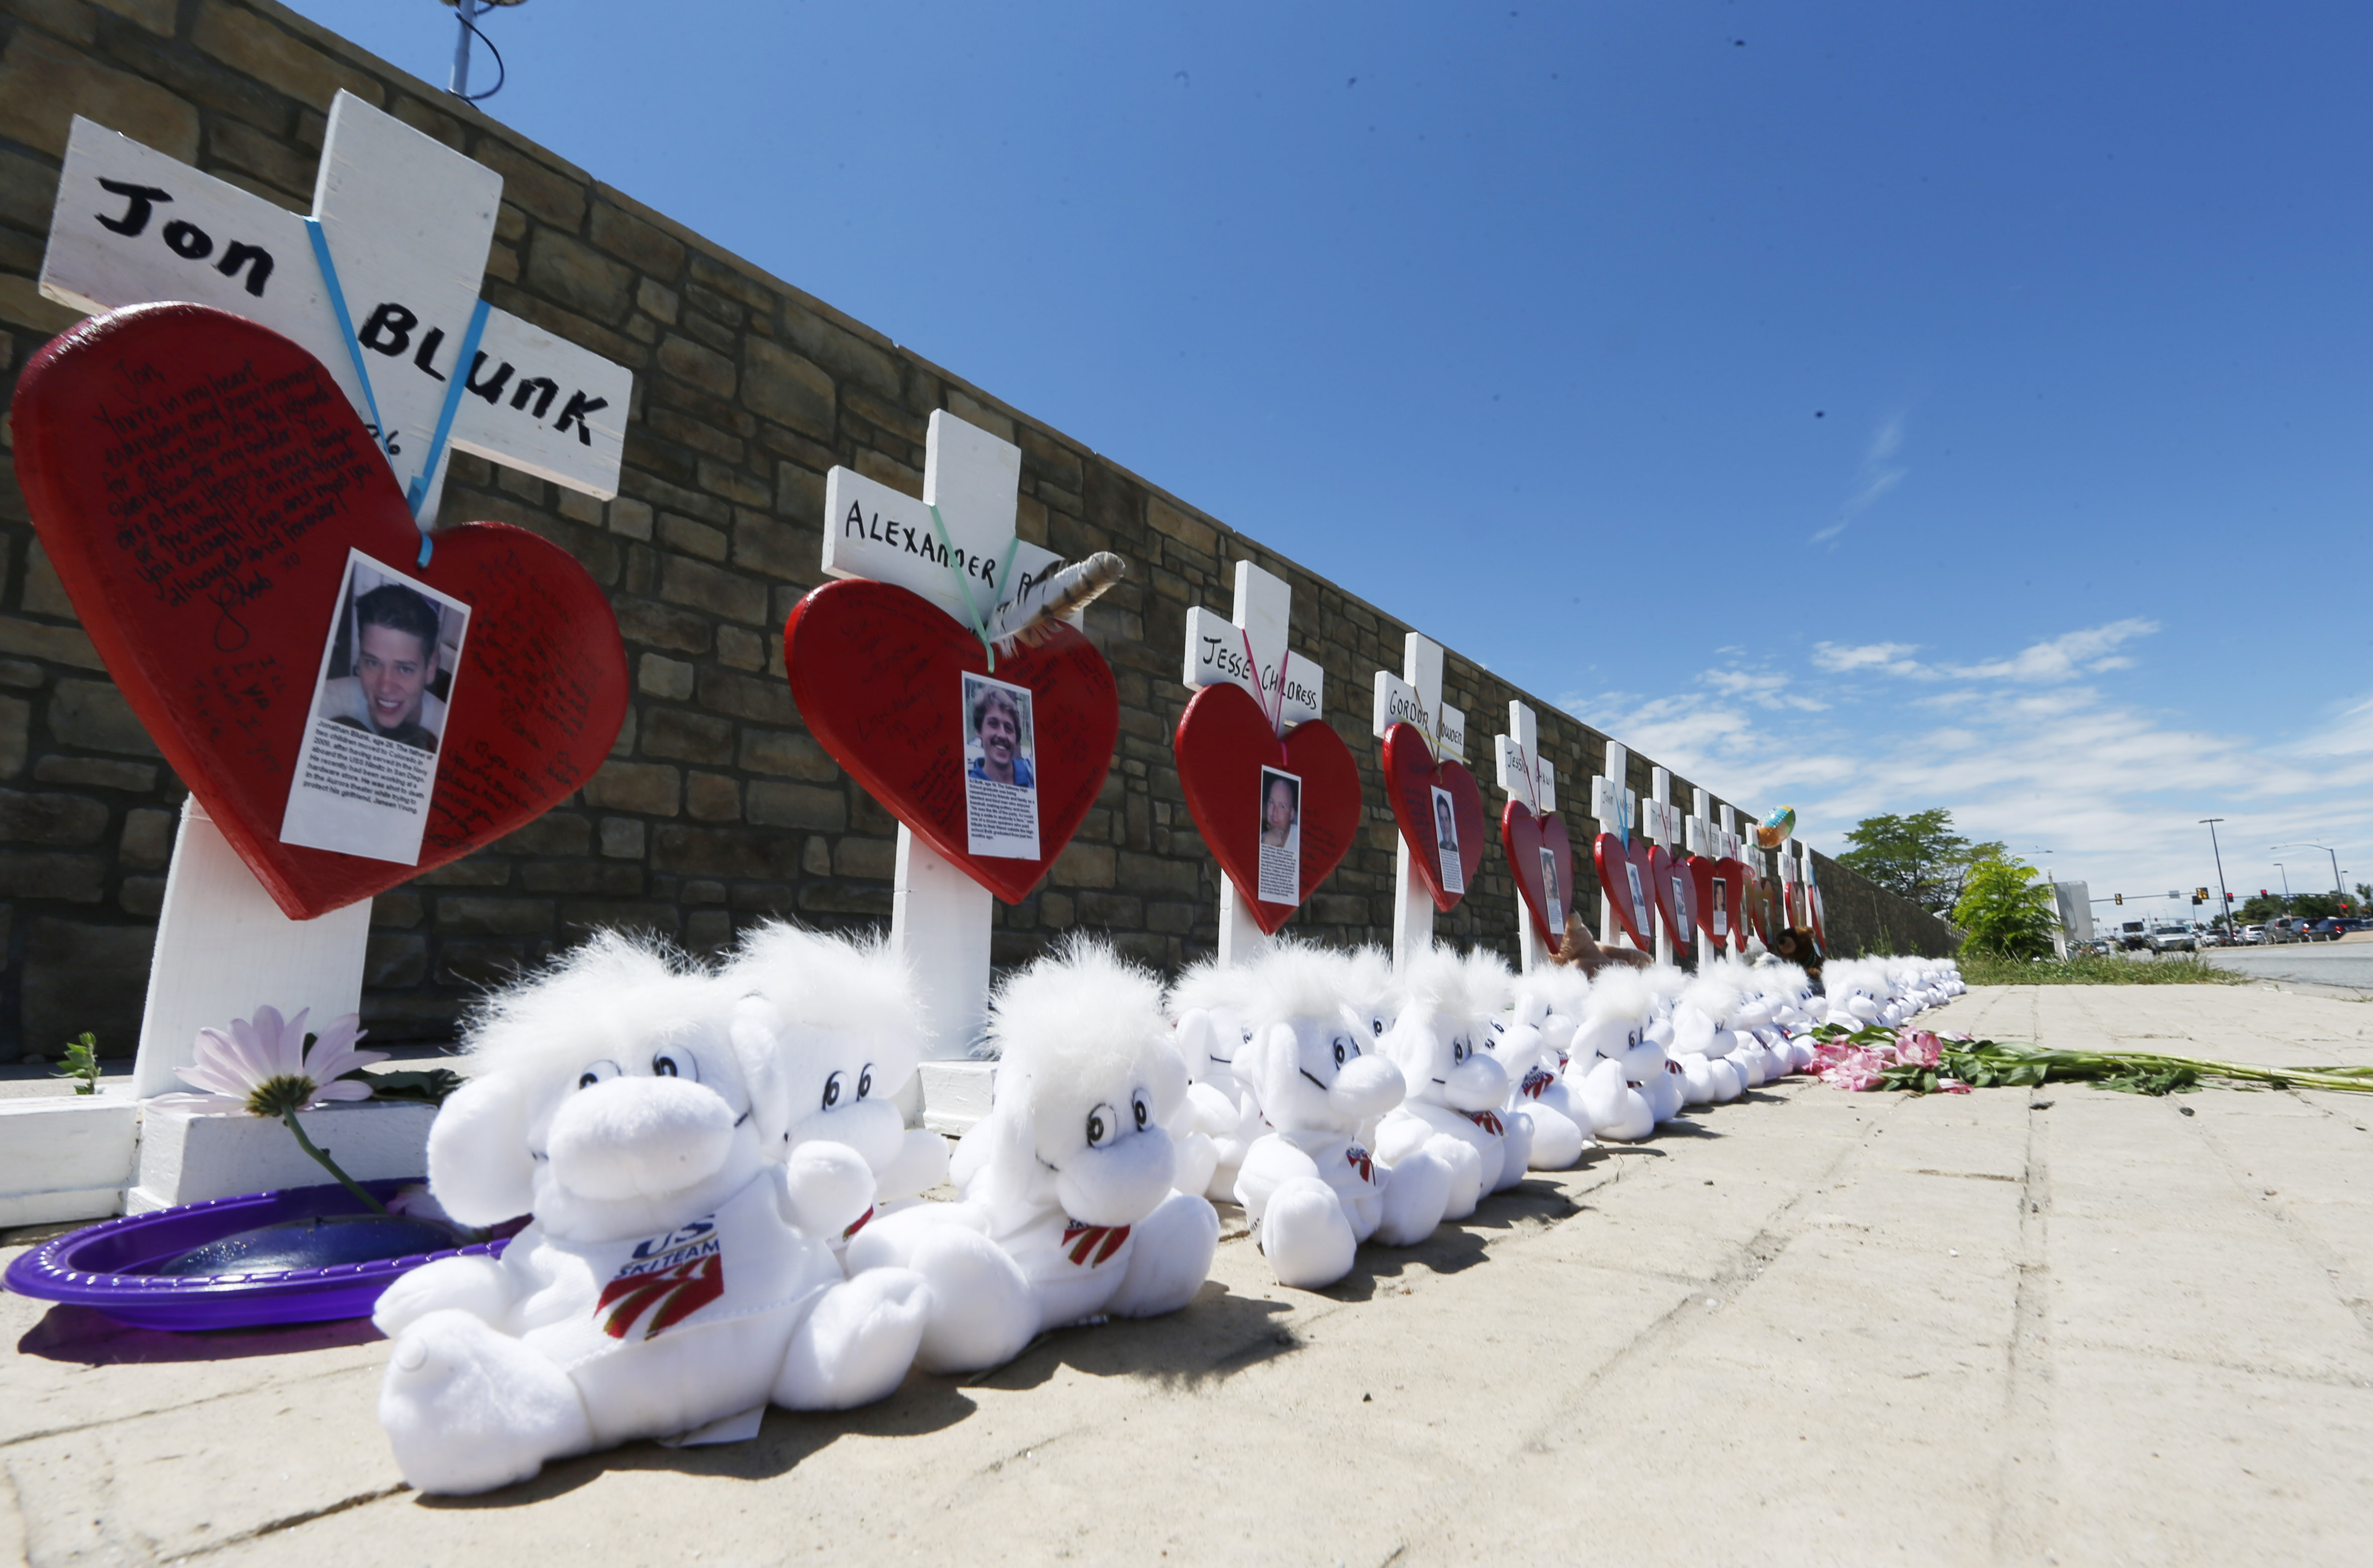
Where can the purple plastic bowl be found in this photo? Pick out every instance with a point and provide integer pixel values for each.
(99, 1266)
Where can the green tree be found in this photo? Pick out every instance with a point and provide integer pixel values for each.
(2004, 909)
(1918, 857)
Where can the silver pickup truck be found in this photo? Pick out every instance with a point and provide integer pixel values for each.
(2172, 936)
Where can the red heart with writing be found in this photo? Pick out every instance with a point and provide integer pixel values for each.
(1627, 876)
(1523, 836)
(878, 674)
(1676, 896)
(1411, 776)
(198, 481)
(1761, 908)
(1813, 912)
(1721, 900)
(1223, 741)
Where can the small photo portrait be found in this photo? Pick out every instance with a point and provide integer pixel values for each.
(1552, 896)
(1720, 908)
(1281, 818)
(1453, 868)
(1000, 745)
(1641, 910)
(390, 672)
(1001, 764)
(1281, 836)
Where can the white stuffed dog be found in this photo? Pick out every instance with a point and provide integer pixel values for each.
(852, 1037)
(1067, 1211)
(1311, 1191)
(1456, 1091)
(677, 1272)
(1614, 1059)
(1217, 1121)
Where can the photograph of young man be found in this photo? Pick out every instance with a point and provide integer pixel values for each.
(1277, 810)
(395, 664)
(997, 721)
(1445, 827)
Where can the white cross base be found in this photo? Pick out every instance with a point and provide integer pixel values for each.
(409, 223)
(1286, 685)
(1415, 698)
(1525, 775)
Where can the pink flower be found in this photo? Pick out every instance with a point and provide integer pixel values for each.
(1918, 1047)
(1952, 1086)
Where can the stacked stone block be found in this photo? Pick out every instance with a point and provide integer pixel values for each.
(715, 807)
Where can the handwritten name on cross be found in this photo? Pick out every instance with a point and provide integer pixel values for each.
(1250, 651)
(1615, 807)
(1525, 775)
(1414, 696)
(975, 479)
(408, 223)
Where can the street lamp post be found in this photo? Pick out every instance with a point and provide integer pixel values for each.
(2340, 893)
(2221, 892)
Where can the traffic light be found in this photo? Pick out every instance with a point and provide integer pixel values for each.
(2201, 897)
(2117, 899)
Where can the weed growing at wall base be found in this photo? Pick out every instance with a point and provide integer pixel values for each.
(2092, 970)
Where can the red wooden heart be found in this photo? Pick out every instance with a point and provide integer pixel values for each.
(1762, 908)
(1733, 877)
(1813, 913)
(1523, 836)
(197, 481)
(1224, 741)
(877, 673)
(1410, 778)
(1702, 882)
(1675, 896)
(1637, 913)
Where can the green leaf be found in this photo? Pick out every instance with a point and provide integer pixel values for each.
(428, 1086)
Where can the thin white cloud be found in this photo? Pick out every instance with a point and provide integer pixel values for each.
(1879, 473)
(2025, 748)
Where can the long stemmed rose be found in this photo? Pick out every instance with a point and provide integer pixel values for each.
(269, 1066)
(1925, 1063)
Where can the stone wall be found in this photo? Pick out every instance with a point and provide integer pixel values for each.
(717, 808)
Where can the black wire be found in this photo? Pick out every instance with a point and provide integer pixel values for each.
(502, 72)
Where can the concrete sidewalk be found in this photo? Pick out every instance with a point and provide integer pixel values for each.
(2009, 1327)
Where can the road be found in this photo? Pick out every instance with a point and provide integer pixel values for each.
(2348, 961)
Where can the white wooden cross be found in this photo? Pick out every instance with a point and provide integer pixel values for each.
(1789, 878)
(939, 916)
(1698, 829)
(1525, 775)
(1663, 826)
(1250, 652)
(408, 222)
(1616, 807)
(1414, 696)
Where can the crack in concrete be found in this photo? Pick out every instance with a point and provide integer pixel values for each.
(291, 1521)
(2030, 1454)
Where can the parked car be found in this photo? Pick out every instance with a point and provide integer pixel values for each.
(2286, 927)
(2252, 935)
(2172, 936)
(2332, 927)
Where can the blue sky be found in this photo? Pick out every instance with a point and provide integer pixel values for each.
(1865, 406)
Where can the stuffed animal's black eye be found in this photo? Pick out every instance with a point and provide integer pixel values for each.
(1377, 1024)
(597, 1072)
(1458, 1050)
(1103, 1127)
(1143, 1114)
(1498, 1027)
(832, 1091)
(1340, 1051)
(865, 1081)
(663, 1067)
